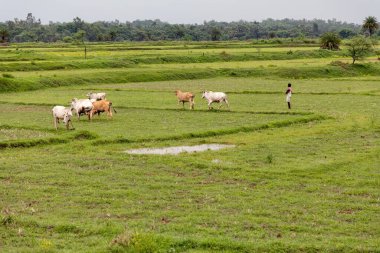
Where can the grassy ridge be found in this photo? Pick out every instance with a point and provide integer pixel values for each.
(141, 75)
(19, 84)
(23, 142)
(216, 133)
(147, 45)
(34, 65)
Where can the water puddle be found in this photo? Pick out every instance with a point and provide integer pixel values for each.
(178, 149)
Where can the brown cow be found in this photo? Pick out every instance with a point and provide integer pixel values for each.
(185, 97)
(102, 106)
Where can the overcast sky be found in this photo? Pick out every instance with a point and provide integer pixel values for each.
(189, 11)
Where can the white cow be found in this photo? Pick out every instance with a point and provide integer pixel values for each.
(217, 97)
(81, 106)
(61, 112)
(97, 96)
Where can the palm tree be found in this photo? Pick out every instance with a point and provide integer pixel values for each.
(330, 41)
(370, 24)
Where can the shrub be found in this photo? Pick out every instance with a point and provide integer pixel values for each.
(67, 39)
(359, 47)
(6, 75)
(269, 158)
(340, 64)
(330, 41)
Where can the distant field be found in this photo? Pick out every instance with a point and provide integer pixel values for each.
(299, 180)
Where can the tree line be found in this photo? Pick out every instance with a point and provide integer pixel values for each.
(32, 30)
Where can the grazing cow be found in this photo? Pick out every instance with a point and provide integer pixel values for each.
(81, 106)
(217, 97)
(185, 97)
(102, 106)
(96, 96)
(61, 112)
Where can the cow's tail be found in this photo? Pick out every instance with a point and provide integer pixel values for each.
(113, 107)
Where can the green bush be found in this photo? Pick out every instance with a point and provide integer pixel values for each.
(330, 41)
(359, 47)
(6, 75)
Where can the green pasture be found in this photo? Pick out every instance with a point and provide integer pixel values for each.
(244, 95)
(77, 53)
(274, 65)
(234, 85)
(72, 57)
(144, 123)
(7, 134)
(101, 73)
(299, 180)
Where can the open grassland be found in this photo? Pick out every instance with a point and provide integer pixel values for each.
(300, 180)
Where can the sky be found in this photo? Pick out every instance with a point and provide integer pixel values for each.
(189, 11)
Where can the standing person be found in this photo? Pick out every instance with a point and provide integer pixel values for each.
(288, 93)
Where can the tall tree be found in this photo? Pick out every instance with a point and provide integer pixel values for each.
(370, 24)
(4, 34)
(315, 29)
(215, 34)
(79, 37)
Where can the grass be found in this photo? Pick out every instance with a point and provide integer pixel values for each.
(14, 134)
(145, 73)
(299, 181)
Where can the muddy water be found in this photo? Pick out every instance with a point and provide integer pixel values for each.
(178, 149)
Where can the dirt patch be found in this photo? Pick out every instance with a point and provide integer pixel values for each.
(177, 150)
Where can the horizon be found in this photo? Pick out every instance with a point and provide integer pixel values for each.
(187, 11)
(171, 23)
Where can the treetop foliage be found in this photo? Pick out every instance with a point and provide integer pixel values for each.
(370, 24)
(359, 47)
(32, 30)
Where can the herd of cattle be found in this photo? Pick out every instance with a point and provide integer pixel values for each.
(94, 104)
(97, 103)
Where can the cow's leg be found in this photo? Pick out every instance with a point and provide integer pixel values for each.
(228, 105)
(110, 112)
(72, 126)
(55, 123)
(209, 105)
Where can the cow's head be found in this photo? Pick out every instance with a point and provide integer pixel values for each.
(204, 94)
(67, 117)
(73, 102)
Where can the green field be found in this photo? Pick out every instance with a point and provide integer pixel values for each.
(300, 180)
